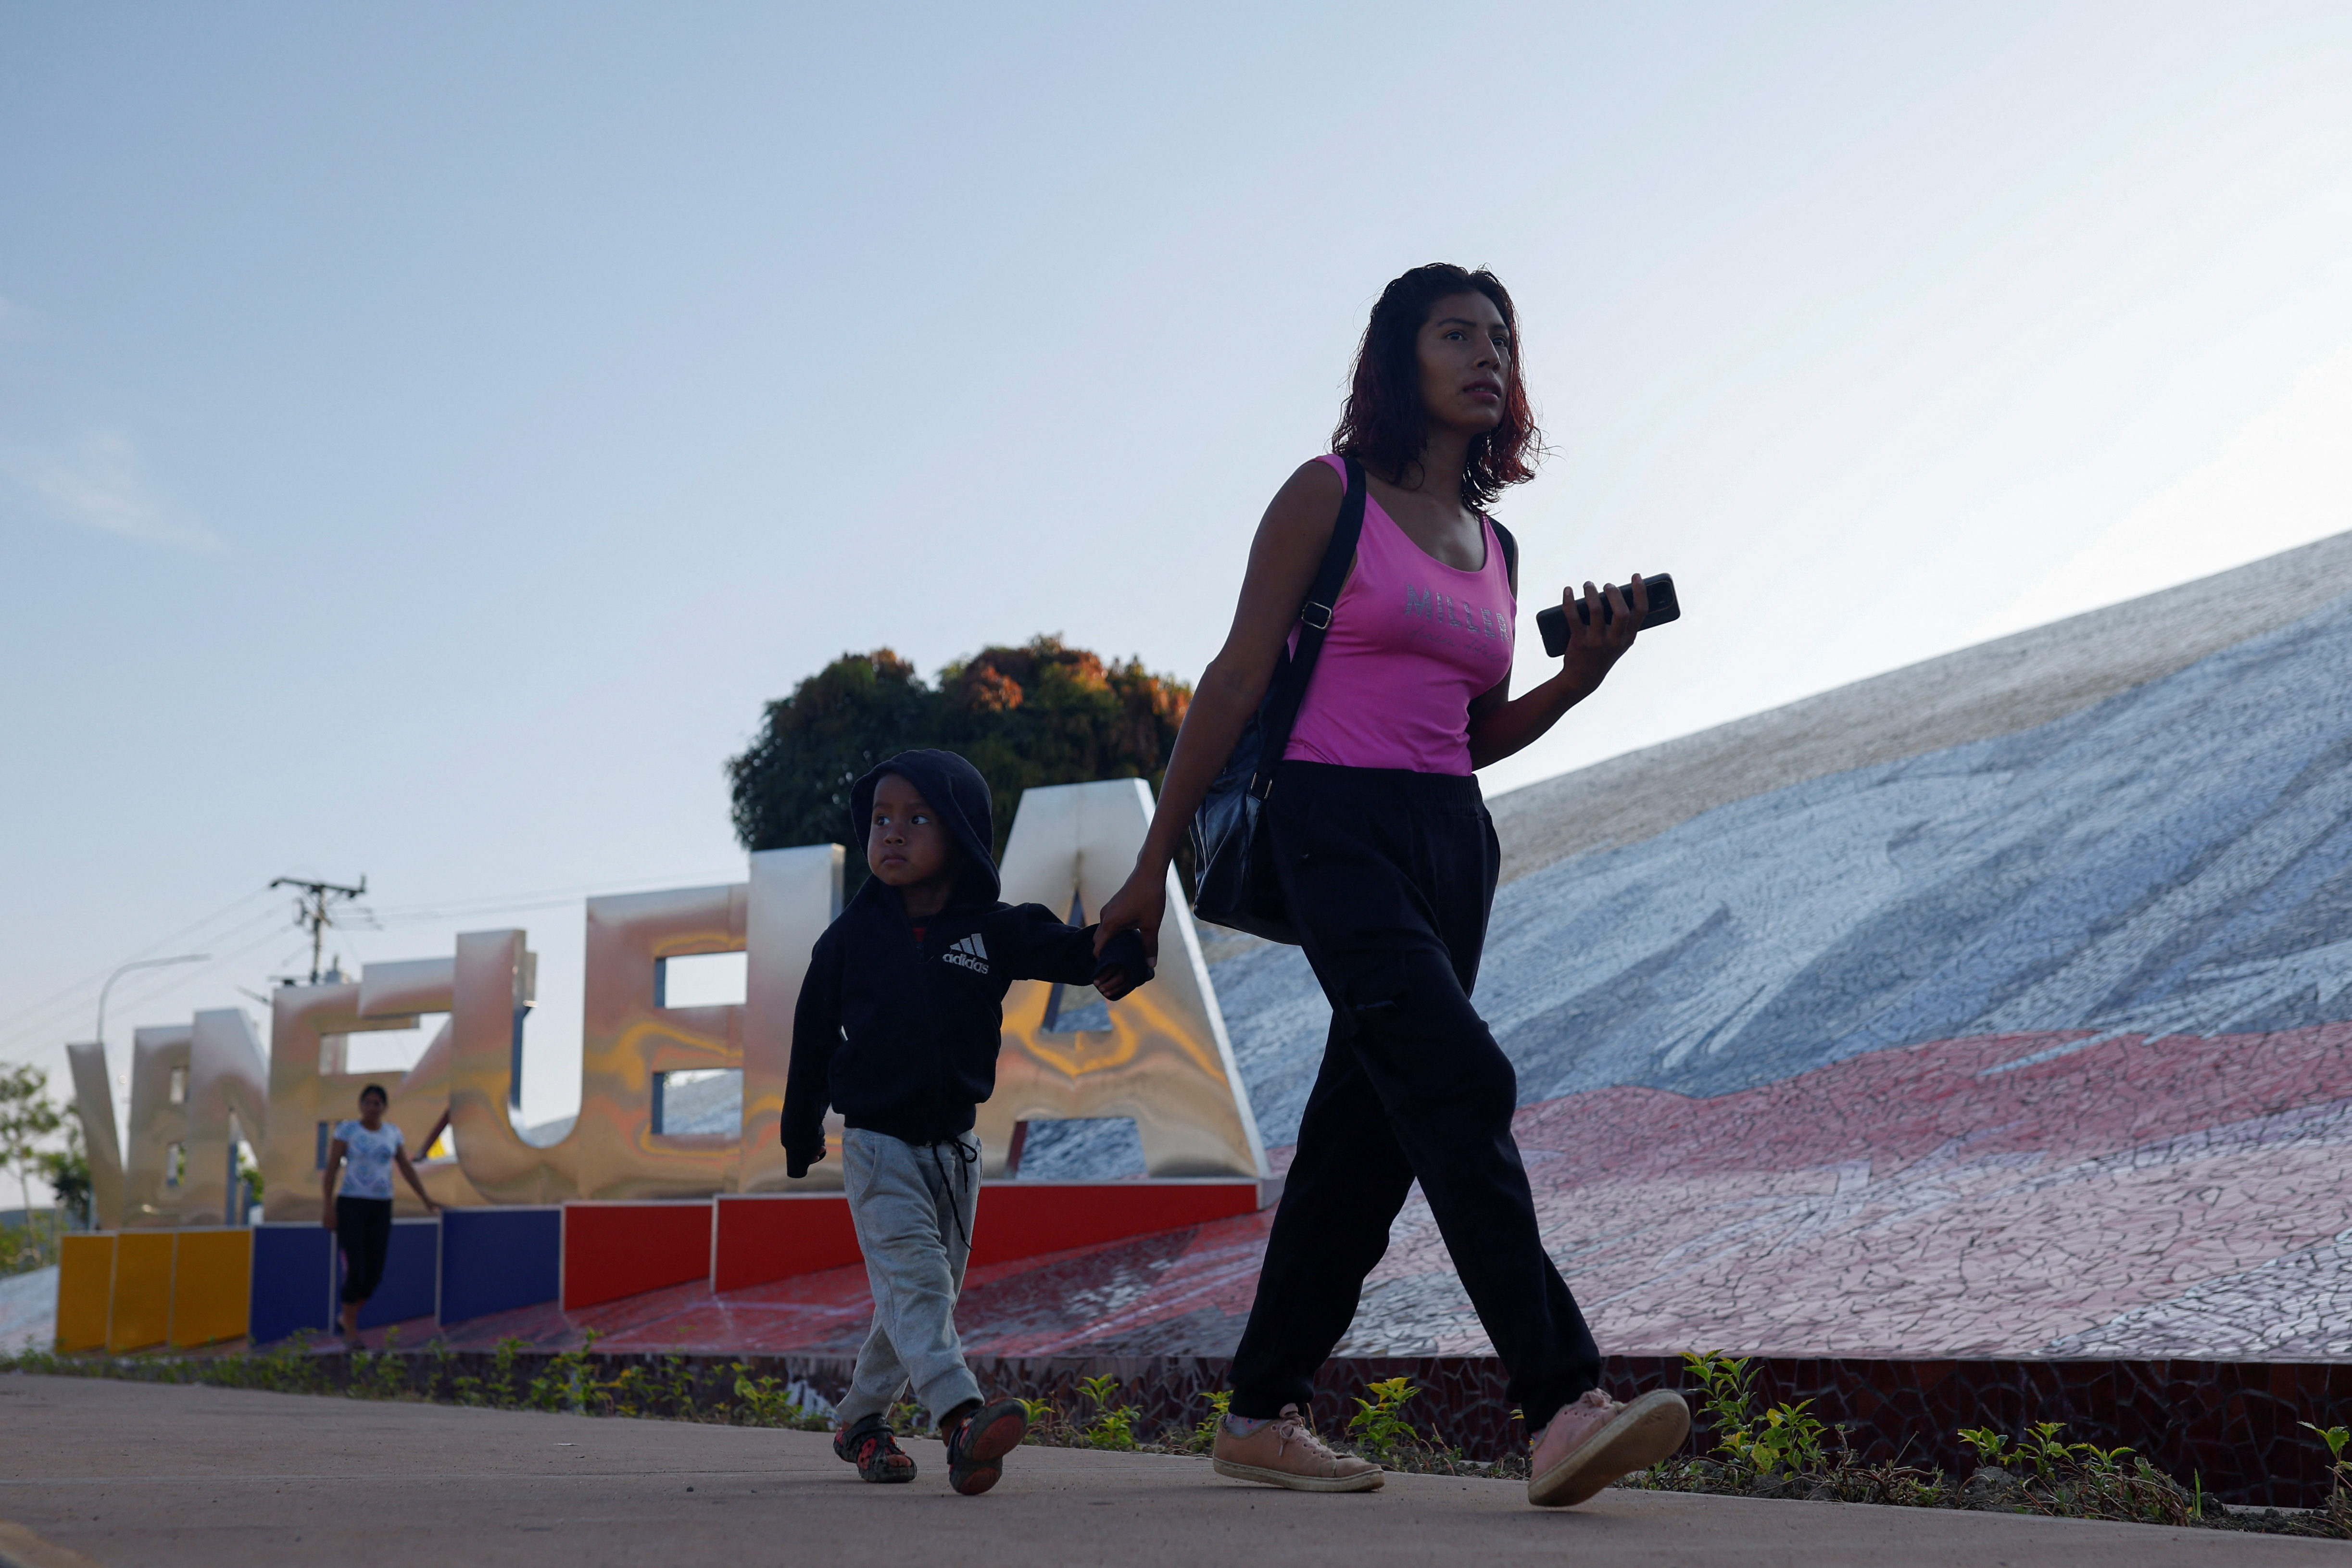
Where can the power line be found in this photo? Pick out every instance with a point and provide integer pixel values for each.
(142, 994)
(312, 909)
(99, 975)
(54, 1010)
(541, 898)
(58, 1010)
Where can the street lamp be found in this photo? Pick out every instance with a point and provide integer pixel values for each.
(137, 964)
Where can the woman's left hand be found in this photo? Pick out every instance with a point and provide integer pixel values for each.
(1593, 644)
(1139, 906)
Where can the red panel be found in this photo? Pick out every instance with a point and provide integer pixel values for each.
(770, 1237)
(615, 1249)
(1023, 1219)
(773, 1238)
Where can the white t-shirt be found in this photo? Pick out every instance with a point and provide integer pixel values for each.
(367, 1159)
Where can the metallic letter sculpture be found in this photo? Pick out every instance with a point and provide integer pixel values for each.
(312, 1087)
(1165, 1059)
(796, 894)
(154, 1164)
(195, 1090)
(628, 1037)
(228, 1100)
(94, 1103)
(493, 991)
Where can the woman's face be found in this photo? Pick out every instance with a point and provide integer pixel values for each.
(1465, 362)
(371, 1111)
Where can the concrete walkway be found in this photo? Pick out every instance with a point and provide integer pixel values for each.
(138, 1476)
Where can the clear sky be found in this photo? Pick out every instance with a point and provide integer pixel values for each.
(429, 433)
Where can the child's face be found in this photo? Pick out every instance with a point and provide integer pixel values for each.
(907, 845)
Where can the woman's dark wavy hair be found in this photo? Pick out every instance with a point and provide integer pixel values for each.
(1385, 425)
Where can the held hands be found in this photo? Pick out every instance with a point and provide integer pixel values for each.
(1139, 906)
(1594, 645)
(1114, 983)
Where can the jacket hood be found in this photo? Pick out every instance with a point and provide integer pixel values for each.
(954, 788)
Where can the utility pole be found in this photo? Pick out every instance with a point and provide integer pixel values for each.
(310, 910)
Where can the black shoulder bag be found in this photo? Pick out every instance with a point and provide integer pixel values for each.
(1232, 854)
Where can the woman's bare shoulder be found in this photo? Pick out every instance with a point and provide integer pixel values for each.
(1308, 502)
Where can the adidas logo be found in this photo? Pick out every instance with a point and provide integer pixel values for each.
(971, 953)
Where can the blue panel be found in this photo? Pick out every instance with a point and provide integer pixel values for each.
(412, 1275)
(293, 1280)
(495, 1260)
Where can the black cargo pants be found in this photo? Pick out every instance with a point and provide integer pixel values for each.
(1390, 875)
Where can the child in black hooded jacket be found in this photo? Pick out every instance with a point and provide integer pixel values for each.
(897, 1027)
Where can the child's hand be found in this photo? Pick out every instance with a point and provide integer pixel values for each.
(1113, 983)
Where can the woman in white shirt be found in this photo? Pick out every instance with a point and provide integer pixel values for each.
(364, 1152)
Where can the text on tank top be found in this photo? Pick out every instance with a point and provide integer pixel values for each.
(1412, 642)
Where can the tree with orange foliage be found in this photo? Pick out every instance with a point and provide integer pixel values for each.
(1042, 713)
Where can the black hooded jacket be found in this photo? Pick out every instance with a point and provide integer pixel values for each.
(900, 1035)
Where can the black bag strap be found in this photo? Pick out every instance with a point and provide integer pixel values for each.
(1510, 554)
(1281, 709)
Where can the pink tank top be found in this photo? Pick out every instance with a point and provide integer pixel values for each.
(1411, 642)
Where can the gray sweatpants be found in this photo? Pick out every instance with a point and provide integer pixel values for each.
(913, 1208)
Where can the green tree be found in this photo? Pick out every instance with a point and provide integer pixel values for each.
(66, 1171)
(26, 1118)
(1042, 713)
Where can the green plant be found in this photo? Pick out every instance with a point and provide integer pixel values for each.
(1204, 1435)
(1379, 1423)
(500, 1389)
(623, 1395)
(673, 1389)
(562, 1383)
(2335, 1437)
(1784, 1439)
(1726, 1388)
(1114, 1425)
(380, 1375)
(1992, 1447)
(768, 1402)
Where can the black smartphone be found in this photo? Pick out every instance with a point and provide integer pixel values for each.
(1552, 620)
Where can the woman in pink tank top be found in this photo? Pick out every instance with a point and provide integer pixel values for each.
(1387, 861)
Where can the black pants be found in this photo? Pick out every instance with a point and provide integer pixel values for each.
(364, 1230)
(1390, 876)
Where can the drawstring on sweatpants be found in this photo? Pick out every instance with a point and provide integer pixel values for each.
(966, 1158)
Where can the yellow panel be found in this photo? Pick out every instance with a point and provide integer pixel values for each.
(211, 1284)
(85, 1285)
(141, 1314)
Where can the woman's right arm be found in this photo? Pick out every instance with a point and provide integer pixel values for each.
(1291, 539)
(327, 1182)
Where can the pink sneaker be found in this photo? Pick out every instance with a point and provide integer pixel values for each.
(1593, 1441)
(1283, 1453)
